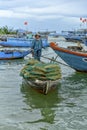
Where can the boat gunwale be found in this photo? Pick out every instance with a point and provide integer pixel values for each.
(55, 47)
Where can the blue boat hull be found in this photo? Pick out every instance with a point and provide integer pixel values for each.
(78, 63)
(78, 35)
(75, 60)
(85, 42)
(9, 54)
(19, 42)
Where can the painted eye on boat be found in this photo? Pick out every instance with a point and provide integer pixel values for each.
(85, 59)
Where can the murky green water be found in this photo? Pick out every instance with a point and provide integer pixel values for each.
(22, 108)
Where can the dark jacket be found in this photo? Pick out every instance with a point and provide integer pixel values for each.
(37, 44)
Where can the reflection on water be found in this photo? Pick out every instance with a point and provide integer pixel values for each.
(45, 103)
(64, 108)
(76, 80)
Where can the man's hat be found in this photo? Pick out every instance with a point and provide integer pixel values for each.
(37, 34)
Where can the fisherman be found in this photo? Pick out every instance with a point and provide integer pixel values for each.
(37, 47)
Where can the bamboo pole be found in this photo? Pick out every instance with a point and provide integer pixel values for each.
(55, 61)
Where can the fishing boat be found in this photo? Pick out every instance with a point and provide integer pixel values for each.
(75, 57)
(21, 42)
(43, 77)
(13, 54)
(42, 86)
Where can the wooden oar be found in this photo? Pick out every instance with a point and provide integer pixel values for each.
(54, 60)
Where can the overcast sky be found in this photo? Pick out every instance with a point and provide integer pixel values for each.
(42, 15)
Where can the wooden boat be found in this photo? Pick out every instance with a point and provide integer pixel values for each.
(41, 76)
(76, 58)
(21, 42)
(49, 101)
(12, 54)
(42, 86)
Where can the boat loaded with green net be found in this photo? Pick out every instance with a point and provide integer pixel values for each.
(41, 76)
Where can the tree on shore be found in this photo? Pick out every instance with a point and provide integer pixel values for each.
(6, 30)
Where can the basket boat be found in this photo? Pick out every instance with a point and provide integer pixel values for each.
(42, 86)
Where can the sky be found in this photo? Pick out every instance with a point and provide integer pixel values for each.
(43, 15)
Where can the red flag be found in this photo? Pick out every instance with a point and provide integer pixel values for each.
(80, 18)
(25, 23)
(84, 20)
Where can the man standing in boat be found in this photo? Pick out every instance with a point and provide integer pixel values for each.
(37, 47)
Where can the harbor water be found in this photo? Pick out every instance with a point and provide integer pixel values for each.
(22, 108)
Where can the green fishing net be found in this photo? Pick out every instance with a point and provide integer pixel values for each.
(42, 71)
